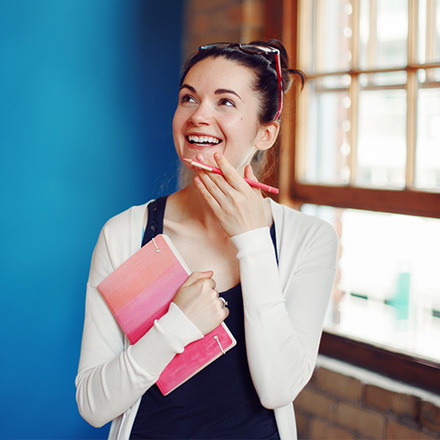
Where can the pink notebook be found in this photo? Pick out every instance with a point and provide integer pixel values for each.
(140, 291)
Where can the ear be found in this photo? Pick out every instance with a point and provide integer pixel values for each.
(267, 135)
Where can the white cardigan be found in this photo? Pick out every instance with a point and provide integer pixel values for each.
(284, 306)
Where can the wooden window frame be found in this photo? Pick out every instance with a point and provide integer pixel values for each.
(282, 23)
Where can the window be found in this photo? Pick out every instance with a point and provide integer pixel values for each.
(367, 158)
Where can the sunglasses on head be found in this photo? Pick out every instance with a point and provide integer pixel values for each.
(256, 50)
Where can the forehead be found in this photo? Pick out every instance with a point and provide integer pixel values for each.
(220, 72)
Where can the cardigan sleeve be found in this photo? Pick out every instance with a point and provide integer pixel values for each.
(111, 377)
(285, 308)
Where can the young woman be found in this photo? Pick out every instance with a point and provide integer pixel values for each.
(274, 268)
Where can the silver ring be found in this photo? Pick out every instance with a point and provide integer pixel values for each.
(225, 303)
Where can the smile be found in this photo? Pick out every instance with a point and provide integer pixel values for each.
(203, 140)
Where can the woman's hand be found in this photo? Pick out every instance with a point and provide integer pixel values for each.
(200, 302)
(238, 207)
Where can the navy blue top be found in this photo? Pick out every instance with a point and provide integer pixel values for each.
(219, 402)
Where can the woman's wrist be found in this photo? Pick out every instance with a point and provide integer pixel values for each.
(252, 241)
(169, 336)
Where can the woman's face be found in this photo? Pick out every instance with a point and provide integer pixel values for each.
(217, 112)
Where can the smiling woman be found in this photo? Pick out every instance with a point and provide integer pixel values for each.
(222, 108)
(273, 266)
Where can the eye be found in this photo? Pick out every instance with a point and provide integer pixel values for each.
(187, 99)
(227, 102)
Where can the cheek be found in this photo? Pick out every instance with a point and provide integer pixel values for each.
(178, 121)
(233, 124)
(177, 129)
(176, 117)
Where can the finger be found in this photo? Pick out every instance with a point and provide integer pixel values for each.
(217, 185)
(231, 180)
(206, 194)
(222, 198)
(209, 284)
(214, 295)
(218, 178)
(223, 302)
(230, 173)
(249, 174)
(196, 276)
(214, 284)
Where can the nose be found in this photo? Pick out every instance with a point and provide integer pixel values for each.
(202, 115)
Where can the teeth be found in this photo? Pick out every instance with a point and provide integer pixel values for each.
(203, 139)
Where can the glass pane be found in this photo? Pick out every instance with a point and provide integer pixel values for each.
(334, 82)
(427, 174)
(383, 33)
(429, 31)
(374, 80)
(381, 159)
(327, 147)
(331, 35)
(387, 290)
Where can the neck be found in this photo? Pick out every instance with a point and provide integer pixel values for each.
(192, 207)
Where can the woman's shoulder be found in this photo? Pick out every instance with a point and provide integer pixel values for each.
(305, 237)
(297, 227)
(120, 237)
(127, 218)
(125, 230)
(291, 217)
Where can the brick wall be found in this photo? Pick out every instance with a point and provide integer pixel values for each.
(221, 20)
(346, 402)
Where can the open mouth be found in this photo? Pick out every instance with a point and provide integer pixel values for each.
(203, 141)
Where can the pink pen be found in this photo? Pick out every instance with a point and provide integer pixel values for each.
(215, 170)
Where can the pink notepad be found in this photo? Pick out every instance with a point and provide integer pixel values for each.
(140, 291)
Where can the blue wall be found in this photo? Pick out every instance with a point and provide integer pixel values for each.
(87, 93)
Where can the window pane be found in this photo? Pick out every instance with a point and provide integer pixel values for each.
(429, 31)
(331, 34)
(381, 159)
(427, 174)
(388, 289)
(375, 80)
(327, 147)
(383, 33)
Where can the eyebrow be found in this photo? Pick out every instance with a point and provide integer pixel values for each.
(217, 92)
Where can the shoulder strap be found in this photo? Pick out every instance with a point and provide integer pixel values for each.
(273, 234)
(156, 211)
